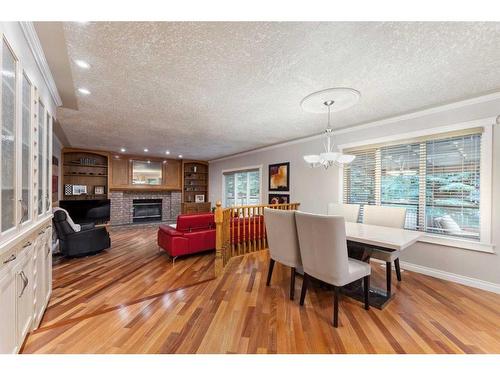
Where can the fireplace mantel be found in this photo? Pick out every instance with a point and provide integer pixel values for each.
(143, 188)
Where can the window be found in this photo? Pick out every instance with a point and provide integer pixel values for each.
(242, 188)
(25, 153)
(437, 180)
(8, 143)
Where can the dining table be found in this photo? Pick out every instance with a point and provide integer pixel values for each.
(362, 239)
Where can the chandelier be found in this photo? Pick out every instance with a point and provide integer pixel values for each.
(329, 100)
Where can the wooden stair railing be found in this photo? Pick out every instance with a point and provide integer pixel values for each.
(241, 230)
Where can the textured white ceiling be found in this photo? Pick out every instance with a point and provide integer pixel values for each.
(212, 89)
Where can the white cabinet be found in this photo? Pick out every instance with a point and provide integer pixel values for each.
(8, 334)
(42, 263)
(25, 187)
(25, 286)
(24, 293)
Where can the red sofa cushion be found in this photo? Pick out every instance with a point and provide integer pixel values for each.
(192, 222)
(194, 233)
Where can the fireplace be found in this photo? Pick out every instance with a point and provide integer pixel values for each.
(146, 210)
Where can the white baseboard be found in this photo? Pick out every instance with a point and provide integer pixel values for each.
(448, 276)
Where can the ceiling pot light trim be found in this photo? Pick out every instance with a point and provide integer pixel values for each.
(84, 91)
(82, 64)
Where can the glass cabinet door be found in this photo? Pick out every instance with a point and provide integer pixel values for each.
(8, 131)
(41, 148)
(48, 143)
(25, 151)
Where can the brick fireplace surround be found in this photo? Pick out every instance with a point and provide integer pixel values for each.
(121, 205)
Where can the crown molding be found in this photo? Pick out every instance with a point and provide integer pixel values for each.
(37, 51)
(371, 124)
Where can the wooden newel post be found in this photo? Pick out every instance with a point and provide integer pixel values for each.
(219, 262)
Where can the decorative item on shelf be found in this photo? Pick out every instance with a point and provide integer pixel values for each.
(68, 189)
(99, 190)
(79, 189)
(279, 177)
(87, 161)
(328, 101)
(279, 198)
(199, 198)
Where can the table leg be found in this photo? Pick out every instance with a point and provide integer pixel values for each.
(378, 298)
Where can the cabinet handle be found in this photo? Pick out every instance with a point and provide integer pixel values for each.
(10, 259)
(25, 283)
(27, 244)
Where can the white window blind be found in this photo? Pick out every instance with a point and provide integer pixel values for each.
(359, 178)
(435, 178)
(242, 188)
(452, 186)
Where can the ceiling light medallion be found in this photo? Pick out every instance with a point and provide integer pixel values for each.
(328, 101)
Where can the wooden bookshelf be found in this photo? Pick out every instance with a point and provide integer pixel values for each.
(195, 182)
(89, 168)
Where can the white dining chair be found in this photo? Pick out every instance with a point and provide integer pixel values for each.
(323, 249)
(394, 217)
(282, 242)
(349, 212)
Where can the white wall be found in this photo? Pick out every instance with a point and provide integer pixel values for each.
(314, 188)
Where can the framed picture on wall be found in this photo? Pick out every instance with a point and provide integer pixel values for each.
(279, 177)
(279, 198)
(199, 198)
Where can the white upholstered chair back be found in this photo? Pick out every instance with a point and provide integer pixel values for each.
(282, 236)
(349, 212)
(384, 216)
(323, 246)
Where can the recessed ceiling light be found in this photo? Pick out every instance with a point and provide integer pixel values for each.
(180, 156)
(122, 150)
(149, 161)
(83, 91)
(167, 152)
(146, 150)
(82, 64)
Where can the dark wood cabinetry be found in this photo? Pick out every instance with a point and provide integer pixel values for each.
(84, 168)
(195, 187)
(121, 173)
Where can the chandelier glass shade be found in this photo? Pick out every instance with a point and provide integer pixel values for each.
(329, 157)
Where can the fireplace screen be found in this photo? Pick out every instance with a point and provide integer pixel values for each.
(146, 210)
(146, 172)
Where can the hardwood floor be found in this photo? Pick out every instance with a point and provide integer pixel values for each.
(131, 299)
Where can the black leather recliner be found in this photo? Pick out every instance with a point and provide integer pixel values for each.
(89, 240)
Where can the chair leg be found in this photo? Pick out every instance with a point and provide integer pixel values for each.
(398, 269)
(305, 281)
(270, 272)
(388, 270)
(292, 283)
(366, 287)
(336, 306)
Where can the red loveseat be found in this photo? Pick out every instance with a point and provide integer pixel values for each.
(194, 233)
